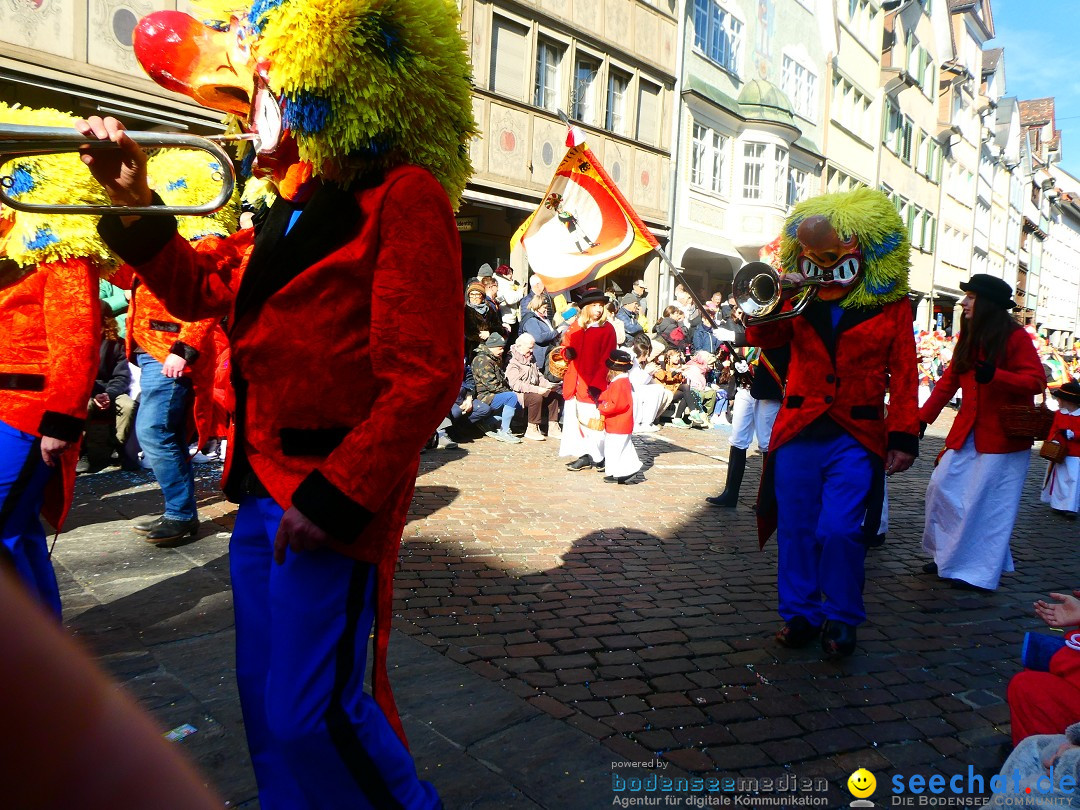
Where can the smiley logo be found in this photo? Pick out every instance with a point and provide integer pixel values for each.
(861, 783)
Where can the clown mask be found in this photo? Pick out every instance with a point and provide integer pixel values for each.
(829, 260)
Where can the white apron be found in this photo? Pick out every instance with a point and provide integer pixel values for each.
(578, 440)
(622, 458)
(1061, 485)
(971, 506)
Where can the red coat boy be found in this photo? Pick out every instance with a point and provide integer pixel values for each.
(617, 406)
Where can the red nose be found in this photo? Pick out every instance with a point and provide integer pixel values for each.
(167, 46)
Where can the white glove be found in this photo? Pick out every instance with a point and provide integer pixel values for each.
(723, 335)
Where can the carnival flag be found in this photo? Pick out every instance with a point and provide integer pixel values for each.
(584, 227)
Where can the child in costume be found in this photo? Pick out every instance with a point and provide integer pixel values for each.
(362, 114)
(1061, 484)
(616, 405)
(833, 442)
(50, 332)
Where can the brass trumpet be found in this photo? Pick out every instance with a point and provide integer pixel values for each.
(17, 141)
(757, 290)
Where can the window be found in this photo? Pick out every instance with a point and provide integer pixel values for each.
(508, 58)
(546, 88)
(615, 112)
(850, 107)
(798, 186)
(899, 132)
(583, 96)
(717, 34)
(708, 158)
(836, 180)
(648, 127)
(753, 169)
(780, 175)
(800, 85)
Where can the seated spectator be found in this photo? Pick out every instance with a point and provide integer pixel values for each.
(697, 371)
(536, 288)
(491, 386)
(111, 410)
(537, 324)
(1042, 772)
(671, 330)
(534, 391)
(627, 315)
(466, 410)
(1044, 702)
(480, 319)
(650, 397)
(669, 374)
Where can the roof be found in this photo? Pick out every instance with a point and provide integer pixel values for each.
(761, 100)
(1037, 111)
(991, 59)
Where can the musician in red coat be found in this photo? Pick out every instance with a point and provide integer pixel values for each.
(587, 344)
(346, 334)
(834, 442)
(974, 493)
(616, 405)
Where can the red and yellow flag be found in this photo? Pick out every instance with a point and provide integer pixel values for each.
(584, 228)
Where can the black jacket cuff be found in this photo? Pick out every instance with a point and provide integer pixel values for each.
(330, 509)
(183, 350)
(140, 241)
(61, 426)
(904, 442)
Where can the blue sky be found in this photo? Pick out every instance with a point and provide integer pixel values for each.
(1039, 38)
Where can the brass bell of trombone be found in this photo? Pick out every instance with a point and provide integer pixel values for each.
(19, 141)
(757, 289)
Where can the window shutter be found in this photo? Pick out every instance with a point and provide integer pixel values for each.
(648, 113)
(508, 58)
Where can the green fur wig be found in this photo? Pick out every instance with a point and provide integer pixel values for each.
(883, 239)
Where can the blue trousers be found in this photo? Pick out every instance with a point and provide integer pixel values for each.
(822, 487)
(161, 425)
(507, 401)
(302, 628)
(23, 475)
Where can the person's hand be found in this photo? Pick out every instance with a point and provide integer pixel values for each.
(102, 400)
(1051, 761)
(897, 461)
(52, 449)
(984, 371)
(569, 352)
(723, 335)
(594, 393)
(1064, 614)
(466, 405)
(173, 366)
(484, 334)
(298, 533)
(122, 171)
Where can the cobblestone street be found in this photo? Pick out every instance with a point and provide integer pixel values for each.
(551, 626)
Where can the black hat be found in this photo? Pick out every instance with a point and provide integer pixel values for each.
(1070, 392)
(619, 360)
(495, 339)
(990, 288)
(629, 298)
(593, 296)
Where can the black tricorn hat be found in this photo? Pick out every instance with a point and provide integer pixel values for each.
(593, 296)
(1070, 392)
(619, 360)
(990, 288)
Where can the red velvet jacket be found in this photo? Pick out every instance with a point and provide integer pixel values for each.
(50, 331)
(347, 338)
(1018, 379)
(617, 406)
(588, 369)
(846, 377)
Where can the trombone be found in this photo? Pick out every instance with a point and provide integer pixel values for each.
(19, 141)
(758, 289)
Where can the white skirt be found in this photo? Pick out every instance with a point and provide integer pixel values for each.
(622, 458)
(578, 440)
(971, 506)
(1061, 485)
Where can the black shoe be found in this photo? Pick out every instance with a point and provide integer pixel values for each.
(147, 524)
(729, 498)
(601, 468)
(961, 585)
(797, 632)
(837, 640)
(930, 568)
(169, 530)
(582, 463)
(82, 466)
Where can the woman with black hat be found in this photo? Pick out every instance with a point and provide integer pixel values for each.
(1061, 484)
(974, 493)
(586, 345)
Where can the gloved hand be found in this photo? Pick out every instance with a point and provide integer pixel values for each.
(742, 366)
(723, 335)
(922, 429)
(569, 352)
(984, 371)
(594, 393)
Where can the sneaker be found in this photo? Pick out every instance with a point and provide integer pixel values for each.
(444, 442)
(532, 432)
(554, 430)
(168, 530)
(200, 458)
(679, 422)
(507, 437)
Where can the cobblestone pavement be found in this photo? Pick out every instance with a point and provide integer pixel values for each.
(552, 626)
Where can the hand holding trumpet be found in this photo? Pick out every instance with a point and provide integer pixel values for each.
(121, 171)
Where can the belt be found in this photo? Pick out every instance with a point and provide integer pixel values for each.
(22, 382)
